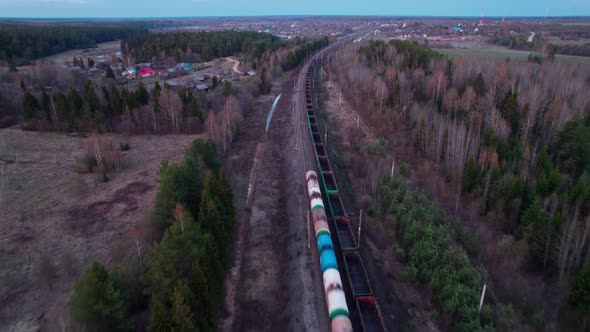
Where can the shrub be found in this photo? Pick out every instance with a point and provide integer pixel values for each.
(124, 147)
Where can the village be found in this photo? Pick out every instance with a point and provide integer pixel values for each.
(199, 77)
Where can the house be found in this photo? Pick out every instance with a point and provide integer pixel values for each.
(185, 66)
(146, 72)
(250, 73)
(92, 71)
(202, 87)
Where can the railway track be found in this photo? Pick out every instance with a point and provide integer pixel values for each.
(363, 308)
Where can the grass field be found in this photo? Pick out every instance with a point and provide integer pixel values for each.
(501, 53)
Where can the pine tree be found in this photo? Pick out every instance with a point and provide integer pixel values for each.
(74, 107)
(30, 106)
(182, 316)
(157, 90)
(115, 101)
(159, 315)
(110, 73)
(99, 303)
(580, 294)
(61, 106)
(227, 89)
(479, 85)
(142, 96)
(46, 106)
(214, 82)
(90, 62)
(195, 109)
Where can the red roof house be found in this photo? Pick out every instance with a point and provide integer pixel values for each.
(146, 71)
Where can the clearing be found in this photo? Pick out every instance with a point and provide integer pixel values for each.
(51, 213)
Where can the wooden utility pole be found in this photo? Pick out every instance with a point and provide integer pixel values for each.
(358, 238)
(392, 167)
(358, 120)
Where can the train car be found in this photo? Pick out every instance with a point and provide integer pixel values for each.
(335, 296)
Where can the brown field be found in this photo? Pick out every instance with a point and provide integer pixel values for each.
(51, 213)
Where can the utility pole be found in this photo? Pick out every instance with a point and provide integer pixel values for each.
(358, 238)
(358, 120)
(341, 97)
(483, 294)
(326, 137)
(392, 167)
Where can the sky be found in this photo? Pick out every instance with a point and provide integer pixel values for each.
(197, 8)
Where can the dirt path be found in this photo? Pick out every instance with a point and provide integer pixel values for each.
(236, 64)
(273, 284)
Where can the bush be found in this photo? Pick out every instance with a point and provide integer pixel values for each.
(404, 169)
(124, 147)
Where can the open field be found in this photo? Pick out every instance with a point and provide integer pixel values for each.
(500, 53)
(105, 49)
(51, 213)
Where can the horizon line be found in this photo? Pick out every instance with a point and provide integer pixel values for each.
(290, 15)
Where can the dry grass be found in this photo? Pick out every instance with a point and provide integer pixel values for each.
(51, 211)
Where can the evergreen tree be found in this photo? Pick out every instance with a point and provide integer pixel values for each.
(110, 73)
(579, 297)
(157, 90)
(142, 96)
(195, 109)
(46, 106)
(182, 315)
(115, 102)
(61, 106)
(227, 89)
(74, 106)
(90, 62)
(159, 315)
(214, 82)
(99, 302)
(479, 86)
(30, 106)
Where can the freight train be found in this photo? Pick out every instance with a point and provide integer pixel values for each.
(335, 296)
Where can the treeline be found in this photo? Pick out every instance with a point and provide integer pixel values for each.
(512, 136)
(521, 42)
(182, 279)
(199, 46)
(20, 44)
(110, 109)
(295, 57)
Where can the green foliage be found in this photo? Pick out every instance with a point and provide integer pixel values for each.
(472, 175)
(433, 259)
(203, 46)
(479, 86)
(124, 147)
(37, 41)
(573, 147)
(186, 268)
(142, 96)
(414, 54)
(579, 297)
(99, 301)
(227, 88)
(30, 106)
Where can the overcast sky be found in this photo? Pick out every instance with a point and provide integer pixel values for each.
(195, 8)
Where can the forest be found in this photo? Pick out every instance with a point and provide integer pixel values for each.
(180, 281)
(19, 44)
(514, 138)
(539, 45)
(199, 46)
